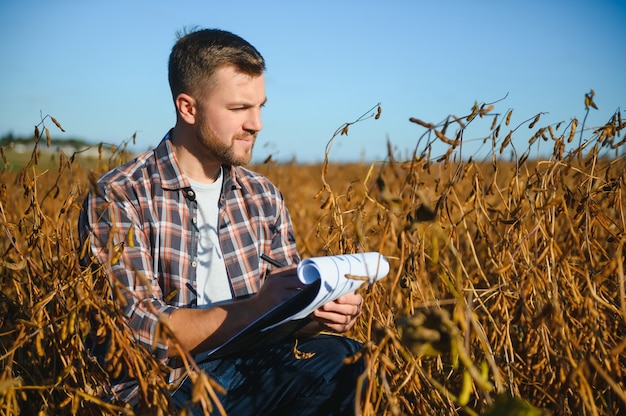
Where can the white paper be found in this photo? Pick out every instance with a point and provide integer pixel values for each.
(333, 271)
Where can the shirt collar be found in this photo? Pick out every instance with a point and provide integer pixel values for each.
(167, 164)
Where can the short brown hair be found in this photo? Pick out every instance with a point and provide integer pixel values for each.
(197, 55)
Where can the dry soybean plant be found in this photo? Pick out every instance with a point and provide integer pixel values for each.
(49, 303)
(506, 292)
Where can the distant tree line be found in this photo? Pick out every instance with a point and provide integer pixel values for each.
(10, 139)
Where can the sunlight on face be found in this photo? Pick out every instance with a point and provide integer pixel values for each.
(229, 119)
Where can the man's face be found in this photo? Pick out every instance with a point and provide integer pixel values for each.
(229, 118)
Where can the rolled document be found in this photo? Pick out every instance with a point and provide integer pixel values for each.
(340, 275)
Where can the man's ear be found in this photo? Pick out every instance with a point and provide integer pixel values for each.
(186, 107)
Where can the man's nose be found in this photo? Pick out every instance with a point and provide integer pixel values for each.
(253, 122)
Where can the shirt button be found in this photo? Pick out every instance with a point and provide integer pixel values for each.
(194, 220)
(194, 264)
(190, 194)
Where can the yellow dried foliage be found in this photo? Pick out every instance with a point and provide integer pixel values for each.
(506, 290)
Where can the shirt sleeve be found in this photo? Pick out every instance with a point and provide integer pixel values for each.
(284, 248)
(112, 227)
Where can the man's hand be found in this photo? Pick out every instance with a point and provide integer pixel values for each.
(340, 315)
(280, 285)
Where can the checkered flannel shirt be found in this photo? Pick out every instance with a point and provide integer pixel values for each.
(152, 196)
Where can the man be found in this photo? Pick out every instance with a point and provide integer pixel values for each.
(192, 224)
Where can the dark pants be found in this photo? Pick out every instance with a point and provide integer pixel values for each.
(272, 381)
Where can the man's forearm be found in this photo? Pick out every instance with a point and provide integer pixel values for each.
(202, 329)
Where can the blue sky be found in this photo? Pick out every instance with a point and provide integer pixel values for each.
(100, 68)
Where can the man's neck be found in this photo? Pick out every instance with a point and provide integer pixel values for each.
(193, 160)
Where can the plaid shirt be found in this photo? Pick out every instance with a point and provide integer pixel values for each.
(146, 210)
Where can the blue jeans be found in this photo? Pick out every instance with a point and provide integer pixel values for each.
(272, 381)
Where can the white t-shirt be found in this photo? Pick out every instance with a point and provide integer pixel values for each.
(211, 279)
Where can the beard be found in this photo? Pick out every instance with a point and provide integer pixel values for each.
(216, 149)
